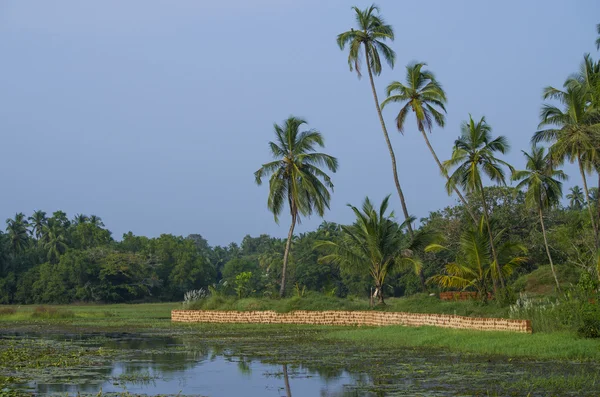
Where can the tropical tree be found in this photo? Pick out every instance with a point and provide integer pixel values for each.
(369, 37)
(17, 233)
(474, 154)
(37, 221)
(55, 241)
(424, 96)
(80, 219)
(576, 200)
(574, 132)
(474, 267)
(297, 177)
(598, 39)
(96, 221)
(544, 189)
(377, 241)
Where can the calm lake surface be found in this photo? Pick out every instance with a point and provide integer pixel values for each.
(190, 365)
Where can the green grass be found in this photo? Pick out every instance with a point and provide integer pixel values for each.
(541, 281)
(156, 318)
(556, 345)
(420, 303)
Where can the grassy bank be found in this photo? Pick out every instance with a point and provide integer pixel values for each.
(556, 345)
(420, 303)
(156, 318)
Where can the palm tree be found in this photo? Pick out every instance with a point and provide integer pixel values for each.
(55, 241)
(575, 133)
(424, 95)
(588, 80)
(472, 155)
(371, 34)
(598, 39)
(576, 200)
(80, 219)
(376, 240)
(17, 233)
(296, 177)
(544, 189)
(37, 221)
(96, 221)
(474, 267)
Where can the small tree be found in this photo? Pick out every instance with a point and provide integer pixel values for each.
(376, 244)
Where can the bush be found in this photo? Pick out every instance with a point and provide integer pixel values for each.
(590, 321)
(7, 311)
(51, 312)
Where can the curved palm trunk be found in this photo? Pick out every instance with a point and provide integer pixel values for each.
(492, 245)
(548, 249)
(389, 144)
(286, 255)
(587, 200)
(286, 379)
(443, 171)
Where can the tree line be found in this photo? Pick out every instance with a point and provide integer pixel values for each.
(494, 235)
(569, 123)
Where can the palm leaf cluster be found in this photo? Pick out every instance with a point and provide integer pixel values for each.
(377, 241)
(296, 176)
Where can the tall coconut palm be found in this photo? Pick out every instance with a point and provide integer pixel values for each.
(544, 189)
(576, 200)
(37, 221)
(424, 95)
(474, 154)
(377, 241)
(296, 177)
(575, 132)
(369, 37)
(17, 233)
(588, 81)
(474, 267)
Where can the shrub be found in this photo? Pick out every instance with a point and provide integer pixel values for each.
(7, 311)
(590, 321)
(51, 312)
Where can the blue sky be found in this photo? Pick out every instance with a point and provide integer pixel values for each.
(154, 115)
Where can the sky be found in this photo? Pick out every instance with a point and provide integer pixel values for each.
(155, 115)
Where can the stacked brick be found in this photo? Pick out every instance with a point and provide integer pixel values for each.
(353, 318)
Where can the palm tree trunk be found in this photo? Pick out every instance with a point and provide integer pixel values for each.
(547, 248)
(389, 144)
(598, 204)
(286, 379)
(443, 171)
(286, 255)
(492, 245)
(587, 200)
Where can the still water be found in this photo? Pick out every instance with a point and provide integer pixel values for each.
(192, 365)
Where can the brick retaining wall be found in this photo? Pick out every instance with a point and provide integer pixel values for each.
(371, 318)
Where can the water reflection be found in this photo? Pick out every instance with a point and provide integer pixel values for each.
(191, 365)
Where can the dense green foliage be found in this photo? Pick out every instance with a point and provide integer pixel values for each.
(495, 239)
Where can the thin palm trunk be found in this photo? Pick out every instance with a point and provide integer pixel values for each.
(547, 248)
(587, 200)
(492, 245)
(286, 379)
(443, 171)
(598, 204)
(389, 144)
(286, 255)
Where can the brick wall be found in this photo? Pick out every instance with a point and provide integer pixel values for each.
(371, 318)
